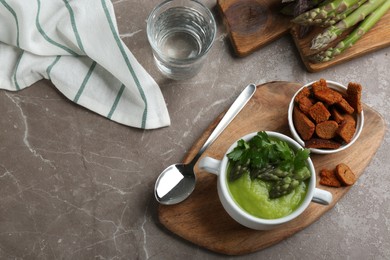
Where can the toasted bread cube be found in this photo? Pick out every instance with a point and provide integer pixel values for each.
(345, 106)
(305, 92)
(319, 85)
(354, 94)
(322, 143)
(305, 104)
(346, 130)
(327, 129)
(345, 175)
(328, 178)
(328, 96)
(319, 112)
(336, 115)
(350, 118)
(304, 126)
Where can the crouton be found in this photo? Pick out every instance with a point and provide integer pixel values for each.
(305, 104)
(328, 96)
(328, 178)
(305, 127)
(350, 118)
(319, 112)
(305, 92)
(322, 143)
(346, 130)
(345, 174)
(354, 93)
(336, 115)
(345, 106)
(319, 85)
(327, 129)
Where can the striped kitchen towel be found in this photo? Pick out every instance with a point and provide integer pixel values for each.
(76, 45)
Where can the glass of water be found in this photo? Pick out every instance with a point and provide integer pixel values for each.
(181, 32)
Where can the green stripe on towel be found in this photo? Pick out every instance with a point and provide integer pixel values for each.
(46, 37)
(118, 97)
(16, 20)
(85, 81)
(74, 26)
(50, 67)
(16, 70)
(123, 52)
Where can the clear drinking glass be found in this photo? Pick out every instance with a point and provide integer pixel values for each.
(181, 32)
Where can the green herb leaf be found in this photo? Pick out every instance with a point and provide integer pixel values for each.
(235, 154)
(238, 151)
(300, 158)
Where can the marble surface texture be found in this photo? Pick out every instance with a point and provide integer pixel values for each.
(74, 185)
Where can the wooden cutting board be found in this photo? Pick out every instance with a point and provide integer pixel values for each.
(254, 23)
(201, 218)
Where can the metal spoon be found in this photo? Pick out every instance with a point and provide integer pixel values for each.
(177, 181)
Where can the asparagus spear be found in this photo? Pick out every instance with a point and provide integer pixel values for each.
(332, 32)
(268, 176)
(238, 170)
(364, 27)
(284, 182)
(272, 174)
(255, 173)
(316, 15)
(333, 19)
(283, 187)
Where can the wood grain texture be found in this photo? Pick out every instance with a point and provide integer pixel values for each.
(201, 218)
(254, 23)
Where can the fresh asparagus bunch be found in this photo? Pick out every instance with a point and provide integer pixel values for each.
(351, 39)
(334, 18)
(334, 31)
(317, 15)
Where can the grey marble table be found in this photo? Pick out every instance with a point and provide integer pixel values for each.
(74, 185)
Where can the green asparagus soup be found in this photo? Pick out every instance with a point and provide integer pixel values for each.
(266, 177)
(253, 197)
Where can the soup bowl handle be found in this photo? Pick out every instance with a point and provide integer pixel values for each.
(210, 165)
(322, 197)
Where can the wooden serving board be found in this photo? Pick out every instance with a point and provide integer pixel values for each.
(201, 218)
(254, 23)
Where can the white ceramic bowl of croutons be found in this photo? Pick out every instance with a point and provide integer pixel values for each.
(329, 132)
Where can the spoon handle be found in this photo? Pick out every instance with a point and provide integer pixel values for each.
(234, 109)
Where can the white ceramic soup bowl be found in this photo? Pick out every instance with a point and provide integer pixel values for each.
(240, 215)
(359, 121)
